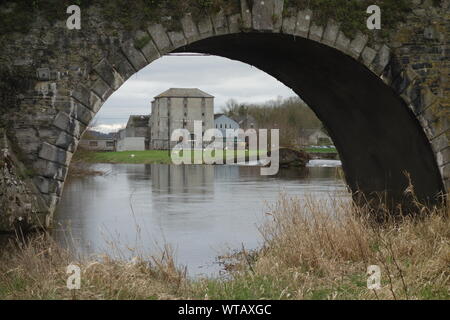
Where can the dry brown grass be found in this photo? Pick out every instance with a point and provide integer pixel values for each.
(313, 249)
(37, 270)
(323, 255)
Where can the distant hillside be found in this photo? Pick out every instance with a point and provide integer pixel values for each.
(92, 134)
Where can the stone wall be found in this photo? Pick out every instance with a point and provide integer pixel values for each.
(58, 79)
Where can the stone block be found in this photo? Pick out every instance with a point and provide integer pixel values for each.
(177, 38)
(50, 169)
(445, 171)
(278, 15)
(160, 38)
(342, 42)
(381, 60)
(81, 113)
(43, 184)
(82, 94)
(121, 64)
(331, 33)
(315, 32)
(439, 143)
(357, 45)
(108, 74)
(67, 142)
(95, 103)
(72, 126)
(220, 23)
(267, 15)
(246, 15)
(189, 28)
(404, 80)
(368, 55)
(289, 23)
(135, 57)
(52, 153)
(234, 23)
(303, 23)
(205, 27)
(102, 89)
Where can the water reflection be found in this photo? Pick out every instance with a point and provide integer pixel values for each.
(200, 210)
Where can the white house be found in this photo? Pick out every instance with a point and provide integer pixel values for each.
(222, 123)
(135, 137)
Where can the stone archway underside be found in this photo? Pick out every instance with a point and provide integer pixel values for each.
(384, 103)
(378, 138)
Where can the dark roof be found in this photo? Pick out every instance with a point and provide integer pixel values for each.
(138, 121)
(184, 93)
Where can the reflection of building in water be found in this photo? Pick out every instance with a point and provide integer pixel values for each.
(137, 172)
(192, 179)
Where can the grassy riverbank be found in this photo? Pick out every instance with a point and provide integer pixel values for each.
(307, 254)
(143, 157)
(156, 156)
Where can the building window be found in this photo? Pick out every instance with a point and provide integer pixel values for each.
(110, 143)
(220, 126)
(93, 143)
(185, 102)
(203, 114)
(185, 114)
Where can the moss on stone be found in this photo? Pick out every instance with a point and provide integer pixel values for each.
(142, 42)
(18, 15)
(351, 14)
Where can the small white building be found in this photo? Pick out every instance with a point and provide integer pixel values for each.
(135, 137)
(227, 126)
(222, 123)
(98, 144)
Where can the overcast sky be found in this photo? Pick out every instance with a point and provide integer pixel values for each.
(223, 78)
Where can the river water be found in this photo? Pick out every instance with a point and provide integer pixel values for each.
(200, 211)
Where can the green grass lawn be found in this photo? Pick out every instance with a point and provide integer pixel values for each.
(321, 150)
(161, 156)
(141, 157)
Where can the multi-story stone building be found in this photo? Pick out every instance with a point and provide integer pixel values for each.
(178, 108)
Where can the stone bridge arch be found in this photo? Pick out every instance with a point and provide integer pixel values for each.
(384, 101)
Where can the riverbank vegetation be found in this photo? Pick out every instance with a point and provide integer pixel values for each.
(151, 156)
(312, 250)
(291, 116)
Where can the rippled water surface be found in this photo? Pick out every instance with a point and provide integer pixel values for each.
(201, 211)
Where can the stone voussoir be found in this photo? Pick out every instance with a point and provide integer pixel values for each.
(246, 15)
(267, 15)
(134, 56)
(220, 23)
(52, 153)
(160, 38)
(109, 74)
(331, 33)
(357, 44)
(303, 24)
(189, 28)
(68, 124)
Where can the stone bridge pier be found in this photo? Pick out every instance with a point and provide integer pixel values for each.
(382, 95)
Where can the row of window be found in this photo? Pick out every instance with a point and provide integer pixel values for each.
(95, 143)
(225, 126)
